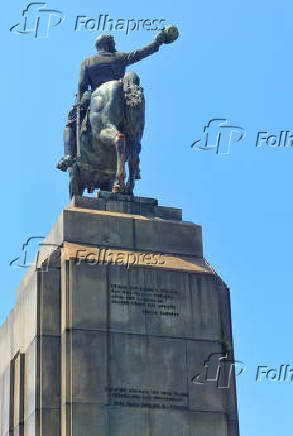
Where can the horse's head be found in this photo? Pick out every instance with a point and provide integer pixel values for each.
(131, 78)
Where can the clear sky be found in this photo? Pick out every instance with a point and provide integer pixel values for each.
(233, 60)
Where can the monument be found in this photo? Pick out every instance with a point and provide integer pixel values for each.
(121, 328)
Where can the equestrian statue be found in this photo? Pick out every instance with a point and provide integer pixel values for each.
(105, 127)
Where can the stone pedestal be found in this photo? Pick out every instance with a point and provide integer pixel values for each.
(117, 329)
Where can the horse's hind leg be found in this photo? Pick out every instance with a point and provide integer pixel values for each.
(131, 178)
(119, 185)
(137, 167)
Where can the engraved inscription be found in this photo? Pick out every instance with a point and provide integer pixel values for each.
(152, 301)
(135, 397)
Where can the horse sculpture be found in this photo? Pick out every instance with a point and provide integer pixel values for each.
(110, 136)
(105, 127)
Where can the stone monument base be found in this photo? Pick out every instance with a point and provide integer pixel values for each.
(115, 328)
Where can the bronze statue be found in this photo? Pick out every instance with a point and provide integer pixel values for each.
(105, 126)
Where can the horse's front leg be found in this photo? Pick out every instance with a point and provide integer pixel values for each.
(119, 185)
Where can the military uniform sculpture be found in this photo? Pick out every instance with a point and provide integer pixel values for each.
(105, 126)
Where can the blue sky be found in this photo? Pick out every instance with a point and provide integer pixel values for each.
(233, 60)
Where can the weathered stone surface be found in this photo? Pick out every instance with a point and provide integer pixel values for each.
(87, 419)
(119, 419)
(129, 229)
(88, 370)
(168, 213)
(143, 301)
(206, 396)
(88, 202)
(188, 424)
(43, 422)
(30, 379)
(50, 297)
(5, 401)
(128, 205)
(168, 237)
(98, 228)
(51, 372)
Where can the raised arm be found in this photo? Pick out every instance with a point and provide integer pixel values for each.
(166, 36)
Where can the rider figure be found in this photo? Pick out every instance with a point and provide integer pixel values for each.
(107, 65)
